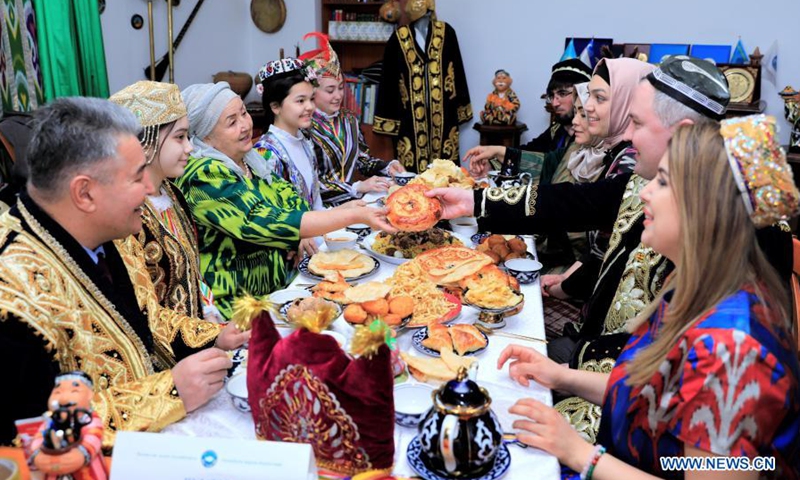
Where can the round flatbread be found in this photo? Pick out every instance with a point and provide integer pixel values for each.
(367, 292)
(411, 211)
(448, 265)
(348, 263)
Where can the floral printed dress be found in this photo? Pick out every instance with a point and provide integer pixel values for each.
(728, 386)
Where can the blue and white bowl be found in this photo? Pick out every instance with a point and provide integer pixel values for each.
(237, 388)
(525, 270)
(411, 402)
(403, 178)
(360, 229)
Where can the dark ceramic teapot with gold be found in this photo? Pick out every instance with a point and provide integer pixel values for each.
(460, 435)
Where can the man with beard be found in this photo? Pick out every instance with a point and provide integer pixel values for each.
(557, 136)
(680, 91)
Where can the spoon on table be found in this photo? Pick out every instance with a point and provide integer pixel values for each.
(492, 331)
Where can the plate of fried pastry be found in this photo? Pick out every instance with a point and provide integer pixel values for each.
(463, 339)
(349, 264)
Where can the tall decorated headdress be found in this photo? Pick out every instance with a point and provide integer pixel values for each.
(759, 167)
(323, 60)
(304, 388)
(154, 104)
(285, 67)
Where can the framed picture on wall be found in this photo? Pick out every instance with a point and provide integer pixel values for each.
(716, 53)
(642, 50)
(581, 43)
(660, 50)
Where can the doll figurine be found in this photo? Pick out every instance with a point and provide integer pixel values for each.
(502, 104)
(791, 109)
(68, 447)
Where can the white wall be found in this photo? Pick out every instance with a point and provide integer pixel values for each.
(522, 36)
(221, 37)
(526, 37)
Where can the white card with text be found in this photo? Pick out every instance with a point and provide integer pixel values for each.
(140, 455)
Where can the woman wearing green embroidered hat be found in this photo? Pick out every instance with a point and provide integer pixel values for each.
(169, 235)
(711, 368)
(250, 221)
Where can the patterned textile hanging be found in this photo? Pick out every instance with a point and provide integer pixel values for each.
(20, 74)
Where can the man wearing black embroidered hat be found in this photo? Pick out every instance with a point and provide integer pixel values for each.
(557, 136)
(682, 90)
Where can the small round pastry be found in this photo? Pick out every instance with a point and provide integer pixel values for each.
(411, 211)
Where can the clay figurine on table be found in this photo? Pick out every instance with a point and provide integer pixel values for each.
(791, 109)
(68, 447)
(502, 104)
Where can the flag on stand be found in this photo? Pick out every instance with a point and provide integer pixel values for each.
(740, 56)
(570, 52)
(587, 56)
(770, 64)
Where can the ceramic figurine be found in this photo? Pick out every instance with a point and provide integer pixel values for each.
(68, 447)
(502, 104)
(791, 109)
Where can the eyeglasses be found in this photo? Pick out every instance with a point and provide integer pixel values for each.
(559, 94)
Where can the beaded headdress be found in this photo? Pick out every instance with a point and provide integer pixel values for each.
(323, 60)
(282, 67)
(759, 167)
(154, 104)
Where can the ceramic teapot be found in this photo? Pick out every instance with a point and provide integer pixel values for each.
(460, 435)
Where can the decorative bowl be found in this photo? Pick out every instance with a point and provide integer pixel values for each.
(360, 229)
(237, 389)
(525, 270)
(340, 240)
(402, 178)
(411, 402)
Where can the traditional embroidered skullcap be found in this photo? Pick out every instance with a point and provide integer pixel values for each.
(323, 60)
(205, 103)
(154, 104)
(283, 67)
(759, 167)
(696, 83)
(571, 71)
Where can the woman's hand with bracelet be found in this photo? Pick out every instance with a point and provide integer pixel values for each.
(543, 427)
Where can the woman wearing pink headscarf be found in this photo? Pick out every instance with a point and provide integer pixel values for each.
(607, 110)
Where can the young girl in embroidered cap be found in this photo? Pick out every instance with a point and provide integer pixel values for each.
(169, 235)
(711, 367)
(340, 146)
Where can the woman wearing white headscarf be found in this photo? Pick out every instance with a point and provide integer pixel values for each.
(249, 221)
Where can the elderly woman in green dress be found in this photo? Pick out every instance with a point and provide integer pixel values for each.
(249, 220)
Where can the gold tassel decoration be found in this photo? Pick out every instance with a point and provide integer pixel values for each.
(315, 314)
(247, 308)
(367, 339)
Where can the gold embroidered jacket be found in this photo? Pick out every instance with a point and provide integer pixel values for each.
(173, 259)
(423, 96)
(58, 314)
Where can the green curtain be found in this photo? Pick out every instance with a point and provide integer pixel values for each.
(71, 49)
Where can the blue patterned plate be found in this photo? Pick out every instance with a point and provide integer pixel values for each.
(422, 334)
(303, 267)
(416, 458)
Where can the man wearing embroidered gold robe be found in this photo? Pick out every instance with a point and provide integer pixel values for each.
(679, 91)
(75, 293)
(423, 95)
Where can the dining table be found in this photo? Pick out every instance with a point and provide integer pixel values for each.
(219, 418)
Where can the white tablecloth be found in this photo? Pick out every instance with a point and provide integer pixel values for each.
(220, 419)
